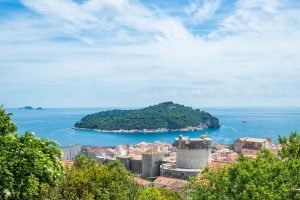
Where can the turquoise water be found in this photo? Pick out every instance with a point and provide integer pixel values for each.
(57, 124)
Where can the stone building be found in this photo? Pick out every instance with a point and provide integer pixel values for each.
(132, 163)
(193, 155)
(151, 162)
(250, 146)
(70, 152)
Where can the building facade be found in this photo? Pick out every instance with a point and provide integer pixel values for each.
(193, 155)
(150, 163)
(70, 152)
(250, 146)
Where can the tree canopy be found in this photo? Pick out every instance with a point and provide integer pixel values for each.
(30, 169)
(166, 115)
(29, 166)
(88, 179)
(153, 193)
(6, 125)
(290, 146)
(268, 176)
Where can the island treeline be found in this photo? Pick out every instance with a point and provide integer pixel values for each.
(167, 115)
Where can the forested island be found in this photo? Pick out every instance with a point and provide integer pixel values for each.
(164, 117)
(26, 108)
(30, 108)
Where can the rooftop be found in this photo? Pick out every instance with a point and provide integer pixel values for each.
(258, 140)
(141, 181)
(169, 183)
(201, 138)
(172, 166)
(152, 151)
(67, 163)
(203, 142)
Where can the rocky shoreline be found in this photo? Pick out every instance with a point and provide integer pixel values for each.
(159, 130)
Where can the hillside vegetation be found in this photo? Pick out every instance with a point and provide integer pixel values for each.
(168, 115)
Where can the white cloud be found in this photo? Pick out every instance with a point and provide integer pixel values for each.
(260, 17)
(133, 55)
(270, 6)
(108, 17)
(203, 10)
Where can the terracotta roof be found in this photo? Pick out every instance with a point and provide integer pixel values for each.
(151, 152)
(141, 181)
(169, 183)
(215, 165)
(67, 163)
(253, 139)
(135, 156)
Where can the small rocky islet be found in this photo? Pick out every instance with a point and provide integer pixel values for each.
(163, 117)
(30, 108)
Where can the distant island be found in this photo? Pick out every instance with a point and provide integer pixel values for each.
(164, 117)
(26, 108)
(30, 108)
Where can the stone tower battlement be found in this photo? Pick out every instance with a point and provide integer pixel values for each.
(193, 153)
(193, 143)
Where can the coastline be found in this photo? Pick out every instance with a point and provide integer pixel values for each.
(159, 130)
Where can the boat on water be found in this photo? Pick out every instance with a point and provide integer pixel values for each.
(244, 121)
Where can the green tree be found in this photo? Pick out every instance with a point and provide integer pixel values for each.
(153, 193)
(29, 166)
(290, 146)
(6, 125)
(267, 177)
(88, 179)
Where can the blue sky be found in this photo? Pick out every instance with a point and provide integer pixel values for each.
(98, 53)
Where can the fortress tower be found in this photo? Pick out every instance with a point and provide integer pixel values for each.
(151, 162)
(193, 153)
(192, 156)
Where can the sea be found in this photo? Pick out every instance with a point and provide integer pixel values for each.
(58, 124)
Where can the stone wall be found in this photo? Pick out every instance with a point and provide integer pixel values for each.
(193, 158)
(150, 164)
(136, 166)
(171, 171)
(70, 152)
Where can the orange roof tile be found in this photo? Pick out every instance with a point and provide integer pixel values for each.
(169, 183)
(141, 181)
(67, 163)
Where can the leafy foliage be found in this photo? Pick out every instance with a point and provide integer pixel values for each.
(153, 193)
(165, 115)
(290, 146)
(30, 169)
(88, 179)
(29, 166)
(6, 125)
(267, 177)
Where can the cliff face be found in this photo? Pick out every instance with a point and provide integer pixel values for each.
(212, 123)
